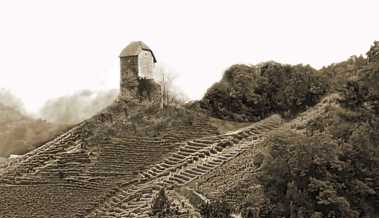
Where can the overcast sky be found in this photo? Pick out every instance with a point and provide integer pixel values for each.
(52, 48)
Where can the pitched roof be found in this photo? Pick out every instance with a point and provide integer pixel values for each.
(135, 48)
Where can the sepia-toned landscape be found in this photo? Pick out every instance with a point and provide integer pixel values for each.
(189, 109)
(267, 140)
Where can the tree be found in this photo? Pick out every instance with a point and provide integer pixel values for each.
(171, 94)
(251, 93)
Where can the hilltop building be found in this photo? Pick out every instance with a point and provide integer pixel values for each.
(137, 84)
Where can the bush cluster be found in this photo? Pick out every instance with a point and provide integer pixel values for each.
(251, 93)
(332, 171)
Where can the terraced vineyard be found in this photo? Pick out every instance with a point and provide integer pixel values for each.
(193, 159)
(122, 176)
(80, 173)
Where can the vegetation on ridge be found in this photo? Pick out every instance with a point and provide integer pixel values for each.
(251, 93)
(325, 168)
(330, 171)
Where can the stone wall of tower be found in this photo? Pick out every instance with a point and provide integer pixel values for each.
(133, 87)
(129, 77)
(146, 64)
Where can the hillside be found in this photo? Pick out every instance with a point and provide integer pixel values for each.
(95, 157)
(20, 133)
(308, 147)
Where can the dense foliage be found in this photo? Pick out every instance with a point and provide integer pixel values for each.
(363, 94)
(215, 209)
(251, 93)
(338, 74)
(333, 170)
(317, 177)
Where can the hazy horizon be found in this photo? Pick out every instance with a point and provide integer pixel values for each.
(51, 49)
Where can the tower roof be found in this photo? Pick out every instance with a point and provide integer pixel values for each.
(135, 48)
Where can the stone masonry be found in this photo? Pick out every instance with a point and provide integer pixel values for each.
(137, 84)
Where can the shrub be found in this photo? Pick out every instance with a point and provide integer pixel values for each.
(318, 176)
(162, 207)
(216, 209)
(251, 93)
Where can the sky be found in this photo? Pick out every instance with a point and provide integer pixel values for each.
(51, 48)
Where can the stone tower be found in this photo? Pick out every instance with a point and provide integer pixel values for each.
(137, 84)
